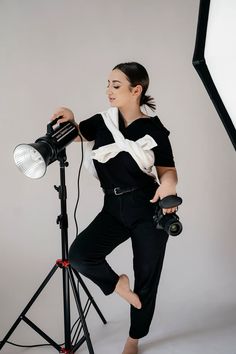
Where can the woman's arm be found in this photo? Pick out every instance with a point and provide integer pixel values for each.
(67, 115)
(168, 180)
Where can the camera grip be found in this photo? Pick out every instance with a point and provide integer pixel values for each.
(170, 201)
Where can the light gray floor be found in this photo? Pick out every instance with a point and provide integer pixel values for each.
(183, 329)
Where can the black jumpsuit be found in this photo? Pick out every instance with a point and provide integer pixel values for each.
(124, 216)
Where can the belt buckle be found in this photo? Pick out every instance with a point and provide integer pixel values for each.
(116, 191)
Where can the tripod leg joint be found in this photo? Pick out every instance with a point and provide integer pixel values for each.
(66, 351)
(62, 264)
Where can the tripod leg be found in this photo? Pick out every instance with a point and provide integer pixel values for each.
(26, 309)
(80, 310)
(66, 302)
(80, 280)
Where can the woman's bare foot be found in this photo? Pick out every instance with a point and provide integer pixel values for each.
(123, 289)
(131, 346)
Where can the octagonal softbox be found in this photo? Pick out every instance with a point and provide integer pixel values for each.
(215, 58)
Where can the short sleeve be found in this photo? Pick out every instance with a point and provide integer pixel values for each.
(163, 151)
(90, 126)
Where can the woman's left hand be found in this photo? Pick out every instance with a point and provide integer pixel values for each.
(163, 191)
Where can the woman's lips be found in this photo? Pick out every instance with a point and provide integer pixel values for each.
(111, 99)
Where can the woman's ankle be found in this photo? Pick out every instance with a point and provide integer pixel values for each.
(131, 346)
(132, 340)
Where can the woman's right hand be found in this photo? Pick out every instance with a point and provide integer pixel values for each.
(66, 115)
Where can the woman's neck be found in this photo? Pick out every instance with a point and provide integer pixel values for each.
(131, 114)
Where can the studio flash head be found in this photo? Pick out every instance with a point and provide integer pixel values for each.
(33, 159)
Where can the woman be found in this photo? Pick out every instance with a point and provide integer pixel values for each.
(127, 143)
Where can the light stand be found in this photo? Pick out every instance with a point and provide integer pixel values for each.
(70, 345)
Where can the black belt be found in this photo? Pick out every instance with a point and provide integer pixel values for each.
(120, 190)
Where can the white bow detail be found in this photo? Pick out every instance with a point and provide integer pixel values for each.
(140, 150)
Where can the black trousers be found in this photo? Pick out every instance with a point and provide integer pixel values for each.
(124, 216)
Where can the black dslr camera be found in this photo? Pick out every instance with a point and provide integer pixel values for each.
(168, 222)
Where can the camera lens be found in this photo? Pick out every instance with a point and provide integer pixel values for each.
(175, 228)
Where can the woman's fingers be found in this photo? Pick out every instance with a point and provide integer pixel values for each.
(62, 119)
(57, 114)
(155, 197)
(169, 210)
(65, 115)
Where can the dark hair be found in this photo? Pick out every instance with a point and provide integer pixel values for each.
(137, 75)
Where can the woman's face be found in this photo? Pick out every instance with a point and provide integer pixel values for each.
(119, 91)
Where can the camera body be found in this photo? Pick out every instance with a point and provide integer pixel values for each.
(168, 222)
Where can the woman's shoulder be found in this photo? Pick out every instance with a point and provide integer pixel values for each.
(95, 117)
(90, 126)
(96, 120)
(156, 124)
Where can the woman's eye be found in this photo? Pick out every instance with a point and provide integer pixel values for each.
(115, 87)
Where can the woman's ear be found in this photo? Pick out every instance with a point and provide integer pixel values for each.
(137, 90)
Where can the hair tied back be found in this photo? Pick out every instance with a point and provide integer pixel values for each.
(148, 101)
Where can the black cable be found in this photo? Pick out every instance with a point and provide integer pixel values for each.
(77, 229)
(31, 346)
(78, 186)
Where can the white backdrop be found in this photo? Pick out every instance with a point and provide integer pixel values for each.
(61, 52)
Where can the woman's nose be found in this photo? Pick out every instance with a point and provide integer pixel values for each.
(108, 90)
